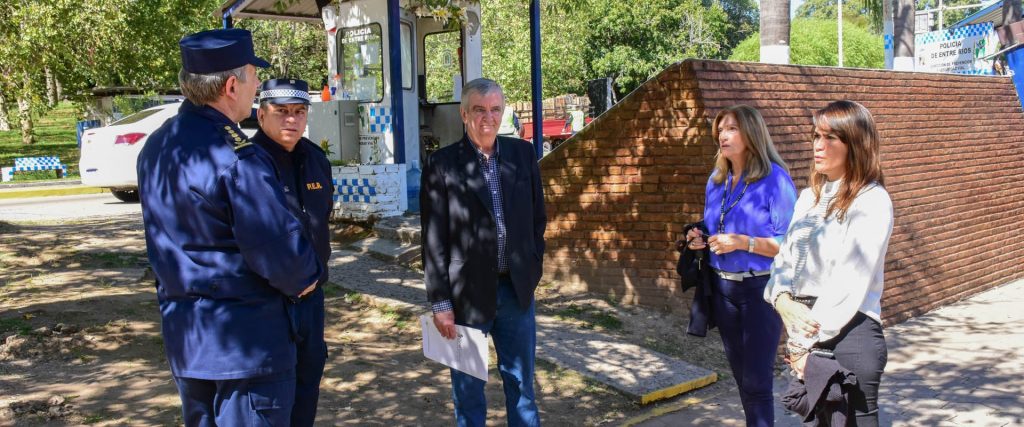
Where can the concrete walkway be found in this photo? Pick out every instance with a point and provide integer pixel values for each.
(643, 374)
(960, 365)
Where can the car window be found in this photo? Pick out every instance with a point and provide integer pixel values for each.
(136, 117)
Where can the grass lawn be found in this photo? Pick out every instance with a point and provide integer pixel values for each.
(55, 136)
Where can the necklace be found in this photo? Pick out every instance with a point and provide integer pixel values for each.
(725, 196)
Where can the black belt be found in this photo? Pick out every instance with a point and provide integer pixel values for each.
(505, 275)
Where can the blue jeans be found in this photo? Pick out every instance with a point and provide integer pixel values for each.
(750, 330)
(514, 332)
(260, 401)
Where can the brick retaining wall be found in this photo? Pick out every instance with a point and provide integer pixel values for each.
(620, 191)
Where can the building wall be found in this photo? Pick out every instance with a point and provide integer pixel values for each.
(619, 193)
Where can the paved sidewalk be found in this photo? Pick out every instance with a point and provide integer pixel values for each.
(643, 374)
(960, 365)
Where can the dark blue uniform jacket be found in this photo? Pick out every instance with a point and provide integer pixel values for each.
(228, 254)
(305, 173)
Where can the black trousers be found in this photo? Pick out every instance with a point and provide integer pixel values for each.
(860, 347)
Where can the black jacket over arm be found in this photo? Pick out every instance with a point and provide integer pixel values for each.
(460, 244)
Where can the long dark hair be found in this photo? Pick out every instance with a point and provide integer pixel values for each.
(855, 127)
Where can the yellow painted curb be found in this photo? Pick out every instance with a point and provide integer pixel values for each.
(674, 406)
(43, 192)
(678, 389)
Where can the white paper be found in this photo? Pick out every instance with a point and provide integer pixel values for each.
(467, 352)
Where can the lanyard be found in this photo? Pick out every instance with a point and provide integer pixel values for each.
(725, 196)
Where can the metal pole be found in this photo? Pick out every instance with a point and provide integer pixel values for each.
(227, 21)
(840, 13)
(535, 79)
(395, 67)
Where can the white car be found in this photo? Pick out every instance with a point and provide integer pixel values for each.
(109, 153)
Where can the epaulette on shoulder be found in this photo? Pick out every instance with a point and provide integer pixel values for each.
(232, 137)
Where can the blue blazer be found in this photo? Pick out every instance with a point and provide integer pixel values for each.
(460, 244)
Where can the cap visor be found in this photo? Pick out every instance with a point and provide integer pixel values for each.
(286, 101)
(259, 62)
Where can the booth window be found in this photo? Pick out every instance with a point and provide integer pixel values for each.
(442, 67)
(406, 56)
(361, 63)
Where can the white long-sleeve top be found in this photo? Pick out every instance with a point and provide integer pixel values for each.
(841, 263)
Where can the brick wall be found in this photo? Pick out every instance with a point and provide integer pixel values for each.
(953, 154)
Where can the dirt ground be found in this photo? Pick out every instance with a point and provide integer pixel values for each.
(80, 343)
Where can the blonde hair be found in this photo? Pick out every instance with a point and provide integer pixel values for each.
(855, 127)
(760, 152)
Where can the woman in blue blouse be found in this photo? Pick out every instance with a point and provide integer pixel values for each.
(749, 202)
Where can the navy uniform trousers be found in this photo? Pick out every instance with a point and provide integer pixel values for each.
(305, 174)
(750, 330)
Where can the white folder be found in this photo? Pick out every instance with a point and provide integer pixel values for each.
(467, 352)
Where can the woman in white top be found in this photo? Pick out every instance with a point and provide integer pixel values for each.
(826, 282)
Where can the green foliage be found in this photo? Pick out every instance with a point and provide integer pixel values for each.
(506, 46)
(441, 63)
(56, 133)
(853, 12)
(815, 42)
(296, 50)
(633, 41)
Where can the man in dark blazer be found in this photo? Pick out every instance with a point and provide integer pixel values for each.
(483, 222)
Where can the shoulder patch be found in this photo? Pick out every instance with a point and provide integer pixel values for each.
(233, 137)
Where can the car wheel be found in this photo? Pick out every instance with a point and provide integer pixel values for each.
(130, 196)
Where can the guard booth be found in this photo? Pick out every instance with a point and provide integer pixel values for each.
(395, 73)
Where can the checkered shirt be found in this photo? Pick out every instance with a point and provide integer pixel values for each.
(489, 167)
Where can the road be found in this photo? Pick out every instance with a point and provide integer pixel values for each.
(61, 208)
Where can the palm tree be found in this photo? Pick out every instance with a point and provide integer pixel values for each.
(775, 31)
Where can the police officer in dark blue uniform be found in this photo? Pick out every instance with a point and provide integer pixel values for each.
(230, 258)
(305, 173)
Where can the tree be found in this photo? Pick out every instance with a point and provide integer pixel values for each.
(775, 31)
(853, 13)
(506, 46)
(815, 42)
(294, 49)
(75, 45)
(632, 41)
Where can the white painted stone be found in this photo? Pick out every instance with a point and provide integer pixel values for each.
(903, 63)
(775, 54)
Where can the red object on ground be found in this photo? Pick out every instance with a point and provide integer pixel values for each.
(553, 129)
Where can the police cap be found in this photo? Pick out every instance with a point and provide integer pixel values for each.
(285, 91)
(213, 51)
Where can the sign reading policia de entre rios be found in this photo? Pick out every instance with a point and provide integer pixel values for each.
(956, 50)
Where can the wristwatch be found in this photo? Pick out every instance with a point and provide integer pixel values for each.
(750, 244)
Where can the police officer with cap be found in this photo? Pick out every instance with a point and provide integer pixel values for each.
(305, 174)
(230, 258)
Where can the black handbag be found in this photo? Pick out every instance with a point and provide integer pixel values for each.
(695, 272)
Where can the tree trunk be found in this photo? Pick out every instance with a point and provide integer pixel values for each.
(60, 89)
(775, 31)
(903, 36)
(5, 122)
(25, 111)
(51, 89)
(1011, 12)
